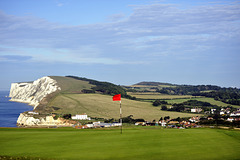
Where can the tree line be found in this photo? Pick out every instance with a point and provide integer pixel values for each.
(104, 87)
(226, 95)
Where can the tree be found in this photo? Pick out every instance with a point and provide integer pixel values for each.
(166, 118)
(164, 108)
(159, 102)
(67, 116)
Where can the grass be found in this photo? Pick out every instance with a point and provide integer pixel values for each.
(69, 85)
(204, 99)
(102, 106)
(138, 143)
(177, 98)
(154, 95)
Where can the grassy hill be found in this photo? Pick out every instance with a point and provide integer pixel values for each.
(81, 95)
(71, 85)
(102, 106)
(98, 102)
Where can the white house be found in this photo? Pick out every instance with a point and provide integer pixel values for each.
(230, 119)
(194, 119)
(31, 112)
(213, 110)
(163, 123)
(196, 110)
(222, 112)
(81, 117)
(235, 113)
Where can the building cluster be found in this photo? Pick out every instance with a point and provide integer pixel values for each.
(92, 124)
(81, 117)
(225, 115)
(173, 123)
(32, 118)
(98, 125)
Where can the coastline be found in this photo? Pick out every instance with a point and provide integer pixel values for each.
(10, 110)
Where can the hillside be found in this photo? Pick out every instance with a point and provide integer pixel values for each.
(102, 106)
(81, 95)
(229, 96)
(71, 85)
(77, 95)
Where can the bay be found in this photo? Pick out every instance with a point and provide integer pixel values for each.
(9, 111)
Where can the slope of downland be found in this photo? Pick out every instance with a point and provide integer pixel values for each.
(102, 106)
(71, 85)
(67, 85)
(137, 143)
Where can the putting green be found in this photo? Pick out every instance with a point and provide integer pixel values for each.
(135, 143)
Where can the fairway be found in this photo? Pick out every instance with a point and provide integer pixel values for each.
(135, 143)
(102, 106)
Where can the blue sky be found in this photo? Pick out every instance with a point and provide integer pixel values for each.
(121, 41)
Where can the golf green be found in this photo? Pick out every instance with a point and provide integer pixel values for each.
(135, 143)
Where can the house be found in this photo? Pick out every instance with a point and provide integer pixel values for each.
(210, 118)
(140, 123)
(213, 110)
(163, 123)
(222, 112)
(196, 110)
(237, 119)
(237, 113)
(31, 112)
(150, 124)
(194, 119)
(100, 124)
(116, 124)
(89, 125)
(230, 119)
(173, 122)
(81, 117)
(185, 123)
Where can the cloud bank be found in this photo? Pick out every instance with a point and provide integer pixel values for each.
(149, 35)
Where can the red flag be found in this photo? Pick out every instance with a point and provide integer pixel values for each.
(117, 97)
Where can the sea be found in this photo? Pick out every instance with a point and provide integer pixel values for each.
(9, 111)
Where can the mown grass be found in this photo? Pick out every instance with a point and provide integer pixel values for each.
(102, 106)
(138, 143)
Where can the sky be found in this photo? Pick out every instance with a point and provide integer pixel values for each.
(121, 41)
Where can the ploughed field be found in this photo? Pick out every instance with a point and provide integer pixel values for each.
(135, 143)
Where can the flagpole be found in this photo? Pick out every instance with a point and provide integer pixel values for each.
(121, 116)
(117, 97)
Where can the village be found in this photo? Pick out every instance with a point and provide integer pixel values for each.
(224, 117)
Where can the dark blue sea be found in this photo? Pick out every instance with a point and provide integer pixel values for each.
(9, 111)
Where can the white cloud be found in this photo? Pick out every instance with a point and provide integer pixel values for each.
(156, 29)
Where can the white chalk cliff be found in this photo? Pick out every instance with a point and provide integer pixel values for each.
(33, 92)
(26, 119)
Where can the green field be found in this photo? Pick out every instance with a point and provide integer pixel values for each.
(204, 99)
(171, 99)
(102, 106)
(136, 143)
(155, 95)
